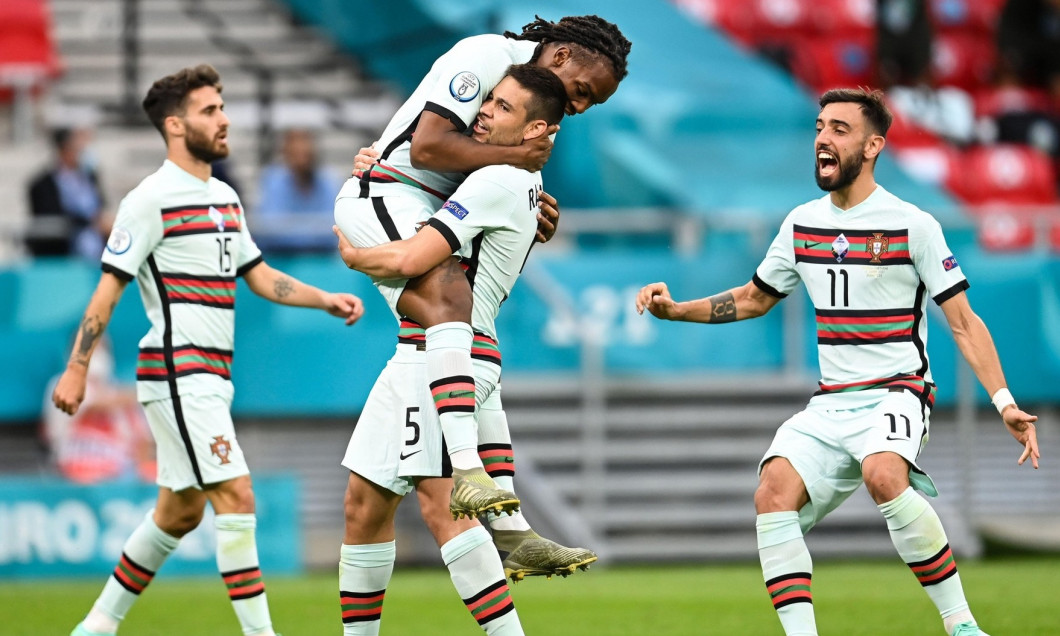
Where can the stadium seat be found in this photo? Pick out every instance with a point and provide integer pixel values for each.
(963, 60)
(935, 163)
(991, 101)
(1006, 173)
(1002, 229)
(963, 16)
(843, 18)
(27, 53)
(830, 63)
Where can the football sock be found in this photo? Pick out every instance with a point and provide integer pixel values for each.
(917, 533)
(787, 569)
(364, 573)
(144, 552)
(479, 579)
(495, 451)
(452, 382)
(237, 561)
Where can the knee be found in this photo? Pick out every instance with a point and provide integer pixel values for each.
(770, 499)
(885, 477)
(435, 513)
(180, 522)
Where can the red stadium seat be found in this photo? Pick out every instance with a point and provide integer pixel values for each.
(993, 101)
(830, 63)
(844, 18)
(963, 16)
(937, 164)
(1005, 173)
(27, 53)
(1003, 230)
(755, 21)
(963, 60)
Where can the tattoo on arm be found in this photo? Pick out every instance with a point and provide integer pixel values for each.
(722, 308)
(91, 330)
(283, 287)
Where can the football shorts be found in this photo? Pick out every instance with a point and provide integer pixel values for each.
(195, 441)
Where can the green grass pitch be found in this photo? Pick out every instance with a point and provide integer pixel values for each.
(1009, 597)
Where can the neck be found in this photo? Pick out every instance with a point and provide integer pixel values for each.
(178, 154)
(855, 193)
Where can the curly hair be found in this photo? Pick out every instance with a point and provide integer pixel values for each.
(169, 95)
(591, 33)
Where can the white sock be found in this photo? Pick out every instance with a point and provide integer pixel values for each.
(144, 552)
(495, 451)
(237, 561)
(452, 382)
(364, 573)
(478, 577)
(787, 569)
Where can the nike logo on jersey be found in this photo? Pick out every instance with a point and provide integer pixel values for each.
(403, 456)
(810, 245)
(188, 219)
(896, 439)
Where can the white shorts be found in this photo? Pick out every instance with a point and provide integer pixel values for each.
(196, 441)
(398, 437)
(826, 446)
(377, 220)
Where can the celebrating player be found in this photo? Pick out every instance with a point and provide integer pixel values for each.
(425, 155)
(183, 236)
(869, 261)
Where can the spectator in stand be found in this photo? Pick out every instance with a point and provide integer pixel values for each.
(108, 438)
(1028, 38)
(903, 36)
(66, 201)
(296, 198)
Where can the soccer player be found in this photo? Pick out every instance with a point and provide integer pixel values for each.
(425, 155)
(397, 443)
(183, 236)
(869, 261)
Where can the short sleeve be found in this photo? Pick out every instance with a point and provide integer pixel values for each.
(935, 263)
(464, 77)
(249, 253)
(776, 274)
(480, 203)
(136, 233)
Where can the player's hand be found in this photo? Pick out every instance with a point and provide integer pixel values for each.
(347, 251)
(70, 389)
(537, 151)
(345, 306)
(365, 159)
(547, 218)
(656, 299)
(1021, 425)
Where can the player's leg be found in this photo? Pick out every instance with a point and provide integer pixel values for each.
(915, 528)
(786, 563)
(158, 535)
(473, 563)
(367, 555)
(523, 551)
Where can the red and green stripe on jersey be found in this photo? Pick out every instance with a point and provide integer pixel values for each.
(936, 569)
(866, 247)
(497, 459)
(132, 576)
(211, 291)
(156, 363)
(912, 383)
(411, 332)
(790, 588)
(201, 219)
(382, 173)
(483, 347)
(359, 607)
(242, 584)
(493, 602)
(864, 326)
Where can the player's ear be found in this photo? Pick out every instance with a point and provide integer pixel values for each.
(174, 126)
(560, 56)
(535, 129)
(874, 146)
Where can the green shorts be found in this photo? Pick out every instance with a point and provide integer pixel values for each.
(827, 442)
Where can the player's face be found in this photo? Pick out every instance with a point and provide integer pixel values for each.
(502, 120)
(839, 146)
(206, 125)
(587, 84)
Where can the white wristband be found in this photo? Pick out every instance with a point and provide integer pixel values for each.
(1002, 399)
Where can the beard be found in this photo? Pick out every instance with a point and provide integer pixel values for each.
(203, 147)
(846, 173)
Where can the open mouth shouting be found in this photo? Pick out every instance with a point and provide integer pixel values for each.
(827, 163)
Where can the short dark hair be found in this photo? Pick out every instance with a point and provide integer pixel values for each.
(591, 34)
(873, 106)
(169, 95)
(548, 96)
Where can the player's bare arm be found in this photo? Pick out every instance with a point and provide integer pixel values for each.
(272, 284)
(407, 258)
(738, 303)
(70, 389)
(438, 145)
(974, 341)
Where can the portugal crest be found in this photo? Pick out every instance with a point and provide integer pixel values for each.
(221, 448)
(876, 246)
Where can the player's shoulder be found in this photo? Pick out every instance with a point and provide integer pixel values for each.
(222, 191)
(504, 176)
(489, 45)
(149, 193)
(805, 212)
(900, 209)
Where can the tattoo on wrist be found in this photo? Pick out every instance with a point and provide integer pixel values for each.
(91, 330)
(722, 308)
(283, 287)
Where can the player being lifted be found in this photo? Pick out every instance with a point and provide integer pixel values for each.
(183, 236)
(870, 261)
(424, 154)
(397, 442)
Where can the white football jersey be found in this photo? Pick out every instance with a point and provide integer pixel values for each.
(491, 220)
(185, 241)
(869, 271)
(455, 88)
